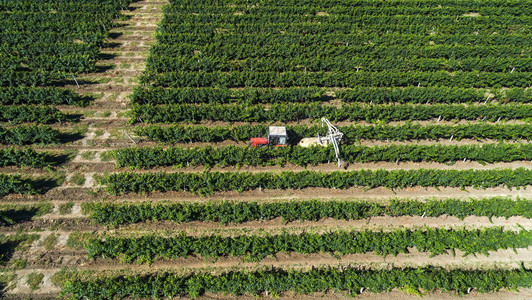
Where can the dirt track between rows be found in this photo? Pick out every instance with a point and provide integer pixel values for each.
(104, 124)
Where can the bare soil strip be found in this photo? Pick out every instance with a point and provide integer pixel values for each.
(103, 125)
(502, 258)
(380, 194)
(69, 223)
(498, 259)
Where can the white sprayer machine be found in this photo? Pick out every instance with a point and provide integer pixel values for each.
(334, 136)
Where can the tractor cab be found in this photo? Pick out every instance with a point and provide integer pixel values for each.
(277, 137)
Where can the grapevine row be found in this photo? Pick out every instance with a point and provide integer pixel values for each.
(15, 184)
(29, 134)
(12, 214)
(288, 112)
(342, 9)
(338, 79)
(277, 281)
(465, 26)
(31, 113)
(412, 95)
(519, 40)
(313, 210)
(399, 7)
(189, 134)
(41, 96)
(334, 63)
(12, 37)
(210, 182)
(147, 157)
(343, 53)
(146, 249)
(25, 158)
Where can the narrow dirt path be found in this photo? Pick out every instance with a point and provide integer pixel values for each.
(105, 127)
(504, 258)
(500, 259)
(68, 223)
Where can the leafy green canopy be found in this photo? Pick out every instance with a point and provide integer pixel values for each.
(240, 156)
(277, 281)
(209, 182)
(238, 212)
(255, 247)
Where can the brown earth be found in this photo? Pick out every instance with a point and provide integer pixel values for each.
(106, 121)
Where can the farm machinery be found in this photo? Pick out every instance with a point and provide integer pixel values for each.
(277, 137)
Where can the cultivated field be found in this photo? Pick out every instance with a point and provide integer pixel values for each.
(125, 170)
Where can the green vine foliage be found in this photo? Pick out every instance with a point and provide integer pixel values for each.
(29, 134)
(240, 156)
(389, 39)
(30, 113)
(207, 183)
(10, 243)
(345, 79)
(313, 210)
(40, 48)
(41, 96)
(436, 241)
(277, 281)
(297, 111)
(15, 184)
(5, 220)
(369, 95)
(24, 158)
(199, 133)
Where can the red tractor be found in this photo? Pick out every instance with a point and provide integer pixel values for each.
(276, 137)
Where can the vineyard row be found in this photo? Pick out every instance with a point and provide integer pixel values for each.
(289, 112)
(391, 39)
(408, 95)
(146, 249)
(200, 133)
(29, 134)
(25, 158)
(313, 210)
(33, 113)
(276, 282)
(210, 182)
(399, 7)
(42, 96)
(16, 184)
(325, 79)
(331, 63)
(460, 28)
(147, 157)
(346, 54)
